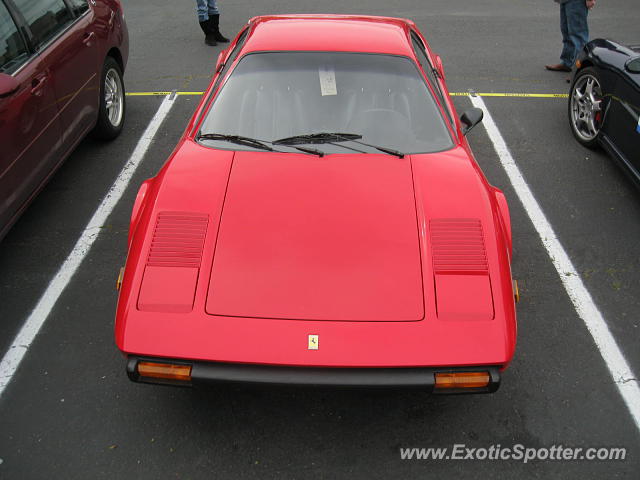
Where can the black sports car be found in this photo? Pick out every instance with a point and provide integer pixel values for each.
(604, 101)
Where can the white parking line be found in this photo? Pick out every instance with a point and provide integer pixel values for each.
(32, 326)
(622, 374)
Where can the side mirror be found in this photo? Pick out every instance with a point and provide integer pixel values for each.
(439, 66)
(8, 85)
(470, 118)
(633, 65)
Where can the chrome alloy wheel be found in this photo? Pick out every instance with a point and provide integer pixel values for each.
(113, 97)
(586, 107)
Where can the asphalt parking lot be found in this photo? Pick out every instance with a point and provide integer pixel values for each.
(70, 411)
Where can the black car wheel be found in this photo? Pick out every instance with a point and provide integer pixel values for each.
(112, 101)
(586, 107)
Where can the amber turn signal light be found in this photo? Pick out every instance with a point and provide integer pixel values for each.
(120, 277)
(462, 380)
(165, 371)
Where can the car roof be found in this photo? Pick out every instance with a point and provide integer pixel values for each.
(341, 33)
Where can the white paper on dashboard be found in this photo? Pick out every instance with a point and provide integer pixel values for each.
(327, 81)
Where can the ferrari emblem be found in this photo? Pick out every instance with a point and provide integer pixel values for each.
(313, 342)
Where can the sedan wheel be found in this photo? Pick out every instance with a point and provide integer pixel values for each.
(114, 97)
(112, 101)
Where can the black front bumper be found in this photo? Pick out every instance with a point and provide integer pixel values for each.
(215, 372)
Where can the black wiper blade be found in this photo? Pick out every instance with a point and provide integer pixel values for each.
(323, 137)
(390, 151)
(239, 139)
(253, 142)
(313, 151)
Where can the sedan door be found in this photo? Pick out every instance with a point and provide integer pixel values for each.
(69, 41)
(30, 135)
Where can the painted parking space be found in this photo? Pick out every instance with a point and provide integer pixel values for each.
(621, 372)
(31, 327)
(37, 246)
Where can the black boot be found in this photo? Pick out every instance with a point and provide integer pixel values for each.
(215, 29)
(209, 38)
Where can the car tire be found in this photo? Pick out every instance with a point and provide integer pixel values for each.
(112, 101)
(586, 107)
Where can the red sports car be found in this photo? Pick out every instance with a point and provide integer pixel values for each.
(322, 221)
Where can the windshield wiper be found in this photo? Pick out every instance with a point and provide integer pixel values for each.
(332, 138)
(253, 142)
(239, 139)
(390, 151)
(322, 137)
(313, 151)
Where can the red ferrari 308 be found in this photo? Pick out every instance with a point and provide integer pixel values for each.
(322, 221)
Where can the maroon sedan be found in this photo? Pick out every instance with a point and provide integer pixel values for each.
(61, 65)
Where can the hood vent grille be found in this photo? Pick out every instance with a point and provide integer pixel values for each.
(458, 246)
(178, 240)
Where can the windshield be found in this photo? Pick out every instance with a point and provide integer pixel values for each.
(275, 95)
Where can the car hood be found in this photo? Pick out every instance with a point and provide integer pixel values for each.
(309, 238)
(373, 234)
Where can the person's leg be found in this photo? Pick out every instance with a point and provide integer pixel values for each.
(212, 7)
(567, 46)
(202, 10)
(214, 22)
(204, 19)
(577, 29)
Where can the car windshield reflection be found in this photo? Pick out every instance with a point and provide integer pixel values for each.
(275, 95)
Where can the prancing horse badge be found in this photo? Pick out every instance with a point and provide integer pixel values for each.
(313, 342)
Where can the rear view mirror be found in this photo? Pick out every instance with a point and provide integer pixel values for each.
(470, 118)
(8, 85)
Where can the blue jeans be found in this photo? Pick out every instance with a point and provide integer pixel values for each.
(574, 28)
(206, 8)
